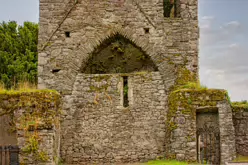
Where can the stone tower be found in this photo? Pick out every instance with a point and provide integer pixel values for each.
(115, 63)
(70, 30)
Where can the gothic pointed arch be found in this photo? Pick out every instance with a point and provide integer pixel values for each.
(118, 54)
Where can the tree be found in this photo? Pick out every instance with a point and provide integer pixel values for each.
(18, 53)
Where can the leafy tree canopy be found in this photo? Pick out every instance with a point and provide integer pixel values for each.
(18, 53)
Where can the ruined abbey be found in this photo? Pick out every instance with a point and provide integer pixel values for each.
(123, 69)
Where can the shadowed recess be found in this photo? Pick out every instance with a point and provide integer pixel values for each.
(118, 54)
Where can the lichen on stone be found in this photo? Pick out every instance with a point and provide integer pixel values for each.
(31, 111)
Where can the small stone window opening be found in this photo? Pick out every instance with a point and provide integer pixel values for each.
(147, 30)
(171, 8)
(56, 70)
(125, 92)
(68, 34)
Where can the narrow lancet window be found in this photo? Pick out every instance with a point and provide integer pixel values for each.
(125, 92)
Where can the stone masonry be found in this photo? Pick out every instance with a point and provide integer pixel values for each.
(240, 119)
(108, 132)
(32, 124)
(183, 107)
(97, 124)
(170, 42)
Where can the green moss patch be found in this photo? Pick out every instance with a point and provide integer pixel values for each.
(187, 99)
(240, 106)
(184, 76)
(31, 111)
(33, 101)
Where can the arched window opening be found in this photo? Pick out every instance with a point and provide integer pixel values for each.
(118, 55)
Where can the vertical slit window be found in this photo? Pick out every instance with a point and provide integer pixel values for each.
(125, 92)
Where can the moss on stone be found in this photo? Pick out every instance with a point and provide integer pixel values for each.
(188, 99)
(185, 99)
(184, 76)
(32, 148)
(240, 106)
(101, 77)
(34, 110)
(11, 100)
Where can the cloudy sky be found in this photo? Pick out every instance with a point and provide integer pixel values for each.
(223, 40)
(224, 46)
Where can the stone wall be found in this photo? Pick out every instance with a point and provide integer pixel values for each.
(227, 132)
(170, 42)
(7, 137)
(181, 122)
(97, 128)
(240, 119)
(35, 127)
(95, 125)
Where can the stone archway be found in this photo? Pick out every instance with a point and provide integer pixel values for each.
(118, 54)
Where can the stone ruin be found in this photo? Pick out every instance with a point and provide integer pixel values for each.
(122, 68)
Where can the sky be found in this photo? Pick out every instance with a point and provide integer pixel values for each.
(223, 40)
(224, 46)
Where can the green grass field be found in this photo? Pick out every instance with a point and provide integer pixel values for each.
(166, 162)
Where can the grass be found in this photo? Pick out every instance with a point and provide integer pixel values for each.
(241, 158)
(165, 162)
(1, 86)
(22, 86)
(242, 104)
(193, 85)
